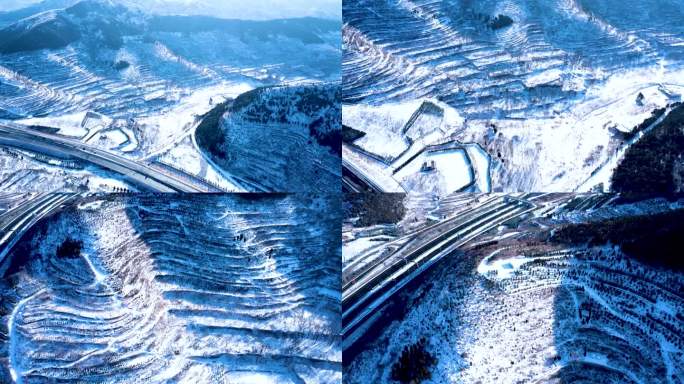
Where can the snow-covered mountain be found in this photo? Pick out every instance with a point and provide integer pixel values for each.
(586, 289)
(184, 289)
(258, 10)
(545, 87)
(230, 9)
(120, 56)
(284, 138)
(124, 79)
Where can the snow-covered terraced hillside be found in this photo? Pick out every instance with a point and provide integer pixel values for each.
(137, 83)
(404, 49)
(518, 304)
(152, 60)
(149, 73)
(190, 289)
(283, 139)
(545, 87)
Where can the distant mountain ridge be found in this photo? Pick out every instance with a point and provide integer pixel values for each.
(108, 22)
(12, 11)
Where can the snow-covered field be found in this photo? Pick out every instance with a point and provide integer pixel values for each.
(543, 96)
(22, 172)
(512, 307)
(191, 289)
(416, 144)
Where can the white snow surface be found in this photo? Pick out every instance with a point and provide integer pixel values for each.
(544, 96)
(187, 289)
(509, 310)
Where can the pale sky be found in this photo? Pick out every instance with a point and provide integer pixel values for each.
(235, 9)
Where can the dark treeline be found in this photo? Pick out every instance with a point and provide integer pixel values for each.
(649, 164)
(414, 364)
(375, 208)
(208, 133)
(653, 239)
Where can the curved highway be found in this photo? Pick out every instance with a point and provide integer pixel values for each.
(367, 285)
(19, 219)
(149, 178)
